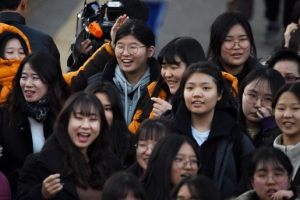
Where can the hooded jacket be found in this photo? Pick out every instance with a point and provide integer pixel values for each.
(8, 68)
(227, 150)
(130, 97)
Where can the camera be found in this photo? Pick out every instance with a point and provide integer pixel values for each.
(94, 21)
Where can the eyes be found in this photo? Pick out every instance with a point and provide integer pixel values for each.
(25, 77)
(190, 88)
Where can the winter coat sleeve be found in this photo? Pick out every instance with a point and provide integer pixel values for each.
(95, 64)
(30, 183)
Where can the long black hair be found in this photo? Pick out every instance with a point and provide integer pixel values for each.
(74, 163)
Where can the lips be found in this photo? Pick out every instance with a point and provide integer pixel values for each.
(171, 84)
(270, 192)
(237, 55)
(185, 175)
(288, 124)
(29, 93)
(83, 137)
(146, 160)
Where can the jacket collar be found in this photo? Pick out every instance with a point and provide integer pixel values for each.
(12, 17)
(224, 118)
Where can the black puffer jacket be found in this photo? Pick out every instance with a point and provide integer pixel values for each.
(225, 153)
(38, 39)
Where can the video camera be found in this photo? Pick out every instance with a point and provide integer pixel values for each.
(94, 22)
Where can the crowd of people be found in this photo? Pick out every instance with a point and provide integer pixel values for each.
(130, 125)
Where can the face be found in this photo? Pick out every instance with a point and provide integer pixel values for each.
(172, 73)
(263, 181)
(184, 192)
(287, 115)
(185, 164)
(103, 97)
(261, 90)
(239, 53)
(13, 50)
(143, 152)
(132, 63)
(201, 94)
(32, 86)
(83, 130)
(287, 69)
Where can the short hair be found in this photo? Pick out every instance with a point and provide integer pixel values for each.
(158, 172)
(284, 55)
(291, 87)
(200, 187)
(269, 155)
(139, 30)
(119, 185)
(49, 71)
(6, 37)
(11, 5)
(274, 78)
(220, 29)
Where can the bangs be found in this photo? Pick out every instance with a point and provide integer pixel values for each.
(272, 163)
(167, 55)
(86, 107)
(154, 133)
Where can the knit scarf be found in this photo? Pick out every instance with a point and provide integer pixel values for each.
(38, 110)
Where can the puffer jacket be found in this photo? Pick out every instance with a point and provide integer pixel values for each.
(8, 68)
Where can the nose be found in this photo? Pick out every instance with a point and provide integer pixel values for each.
(168, 72)
(28, 82)
(149, 150)
(197, 93)
(236, 45)
(270, 180)
(287, 113)
(85, 123)
(258, 103)
(188, 165)
(126, 52)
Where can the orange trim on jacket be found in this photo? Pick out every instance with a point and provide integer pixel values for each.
(134, 125)
(233, 80)
(9, 68)
(68, 76)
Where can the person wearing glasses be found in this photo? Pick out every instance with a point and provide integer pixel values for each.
(232, 45)
(132, 68)
(256, 94)
(196, 188)
(147, 135)
(270, 172)
(287, 115)
(205, 111)
(287, 62)
(174, 157)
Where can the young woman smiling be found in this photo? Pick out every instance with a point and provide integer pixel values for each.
(203, 113)
(74, 162)
(287, 115)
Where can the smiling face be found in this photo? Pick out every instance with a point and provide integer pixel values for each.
(257, 88)
(233, 59)
(185, 164)
(107, 107)
(172, 73)
(32, 86)
(287, 115)
(265, 189)
(201, 94)
(143, 152)
(287, 69)
(13, 50)
(83, 130)
(132, 63)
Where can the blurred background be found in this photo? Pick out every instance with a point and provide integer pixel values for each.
(182, 18)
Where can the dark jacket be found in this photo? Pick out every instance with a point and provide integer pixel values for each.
(225, 153)
(49, 161)
(16, 140)
(38, 39)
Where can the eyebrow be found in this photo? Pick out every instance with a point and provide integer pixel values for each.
(202, 83)
(129, 43)
(252, 90)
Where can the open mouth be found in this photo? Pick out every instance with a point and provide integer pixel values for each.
(185, 175)
(83, 137)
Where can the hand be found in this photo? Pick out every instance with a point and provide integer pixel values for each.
(291, 28)
(264, 112)
(1, 148)
(86, 46)
(160, 106)
(282, 194)
(119, 22)
(51, 186)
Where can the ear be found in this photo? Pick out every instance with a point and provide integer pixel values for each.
(23, 6)
(151, 50)
(220, 95)
(252, 183)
